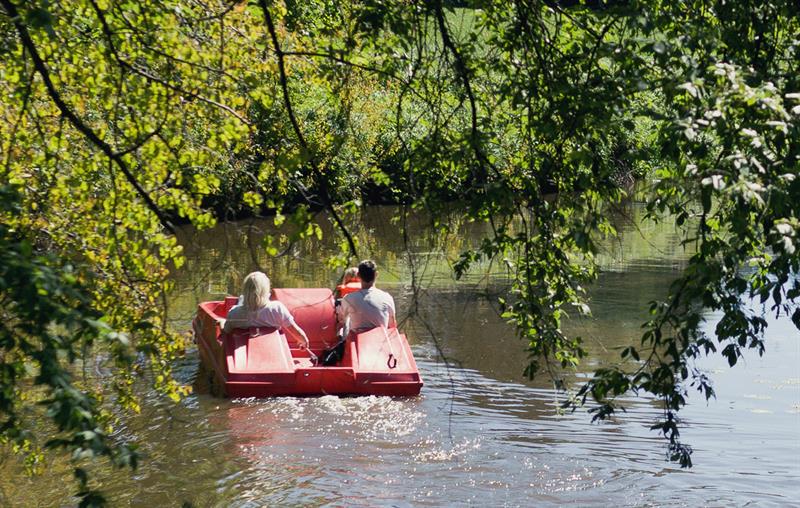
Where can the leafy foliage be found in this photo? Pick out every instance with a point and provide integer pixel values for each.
(123, 118)
(48, 324)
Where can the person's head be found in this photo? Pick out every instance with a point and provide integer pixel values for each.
(256, 290)
(367, 271)
(350, 275)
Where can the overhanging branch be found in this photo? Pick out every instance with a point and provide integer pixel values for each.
(41, 68)
(287, 100)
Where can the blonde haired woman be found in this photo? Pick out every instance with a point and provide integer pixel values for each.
(256, 309)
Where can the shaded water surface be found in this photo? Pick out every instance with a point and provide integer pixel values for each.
(479, 434)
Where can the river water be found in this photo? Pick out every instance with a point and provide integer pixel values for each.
(479, 433)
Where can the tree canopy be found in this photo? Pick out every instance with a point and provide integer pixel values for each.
(122, 119)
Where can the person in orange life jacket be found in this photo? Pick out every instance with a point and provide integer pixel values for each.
(350, 283)
(257, 309)
(369, 307)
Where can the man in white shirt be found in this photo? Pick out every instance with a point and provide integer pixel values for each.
(369, 307)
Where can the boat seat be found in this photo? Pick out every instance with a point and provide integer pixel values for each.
(255, 350)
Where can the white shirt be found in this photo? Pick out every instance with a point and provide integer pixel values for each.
(273, 315)
(368, 309)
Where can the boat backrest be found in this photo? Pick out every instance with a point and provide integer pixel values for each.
(313, 310)
(230, 301)
(256, 350)
(383, 350)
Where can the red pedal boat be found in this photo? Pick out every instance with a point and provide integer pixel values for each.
(263, 362)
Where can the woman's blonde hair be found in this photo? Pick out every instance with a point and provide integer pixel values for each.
(256, 290)
(350, 275)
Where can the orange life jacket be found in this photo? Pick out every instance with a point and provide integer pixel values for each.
(346, 289)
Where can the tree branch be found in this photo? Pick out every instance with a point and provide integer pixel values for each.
(463, 74)
(107, 32)
(287, 100)
(338, 59)
(41, 68)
